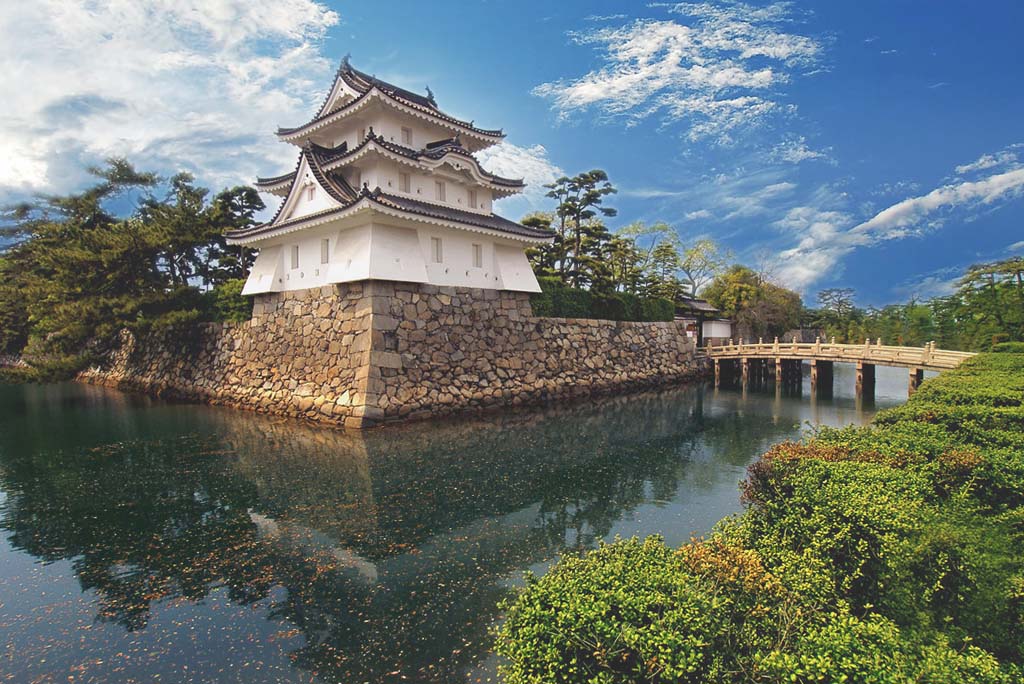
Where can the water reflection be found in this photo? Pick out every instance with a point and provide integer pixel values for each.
(251, 549)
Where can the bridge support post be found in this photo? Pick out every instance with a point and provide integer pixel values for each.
(865, 379)
(718, 374)
(744, 371)
(916, 378)
(821, 377)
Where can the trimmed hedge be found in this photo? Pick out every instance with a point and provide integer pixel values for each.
(1009, 347)
(556, 300)
(887, 553)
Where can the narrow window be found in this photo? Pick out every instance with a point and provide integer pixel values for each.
(478, 256)
(435, 249)
(406, 136)
(403, 182)
(325, 250)
(311, 192)
(439, 193)
(295, 256)
(472, 199)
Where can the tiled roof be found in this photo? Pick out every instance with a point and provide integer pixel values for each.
(491, 221)
(697, 305)
(404, 204)
(433, 151)
(275, 180)
(363, 83)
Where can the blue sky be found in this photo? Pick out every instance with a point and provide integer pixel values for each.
(874, 145)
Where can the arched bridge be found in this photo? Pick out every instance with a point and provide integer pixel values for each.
(753, 361)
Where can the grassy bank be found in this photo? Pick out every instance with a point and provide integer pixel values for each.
(888, 553)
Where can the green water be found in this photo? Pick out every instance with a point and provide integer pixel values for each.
(142, 541)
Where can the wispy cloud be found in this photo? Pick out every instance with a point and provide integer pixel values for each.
(198, 84)
(1006, 157)
(718, 69)
(827, 235)
(940, 84)
(529, 163)
(1016, 247)
(604, 17)
(795, 150)
(938, 283)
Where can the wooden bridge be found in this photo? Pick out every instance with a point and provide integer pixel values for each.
(753, 361)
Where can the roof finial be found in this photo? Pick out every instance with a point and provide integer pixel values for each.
(430, 96)
(369, 133)
(345, 61)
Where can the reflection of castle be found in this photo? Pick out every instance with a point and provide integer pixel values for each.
(386, 550)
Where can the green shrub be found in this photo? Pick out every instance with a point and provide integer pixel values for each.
(872, 650)
(637, 611)
(1008, 347)
(609, 307)
(890, 553)
(557, 300)
(659, 309)
(225, 302)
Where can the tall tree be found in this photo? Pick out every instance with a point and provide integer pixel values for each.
(580, 200)
(81, 273)
(758, 308)
(702, 261)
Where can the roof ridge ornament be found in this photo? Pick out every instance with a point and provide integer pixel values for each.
(430, 96)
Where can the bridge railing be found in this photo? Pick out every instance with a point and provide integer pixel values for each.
(927, 356)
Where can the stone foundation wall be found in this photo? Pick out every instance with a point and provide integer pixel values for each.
(378, 351)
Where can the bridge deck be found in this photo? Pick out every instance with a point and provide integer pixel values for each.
(926, 357)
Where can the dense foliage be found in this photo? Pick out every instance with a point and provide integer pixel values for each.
(642, 260)
(558, 300)
(79, 272)
(758, 308)
(986, 308)
(888, 553)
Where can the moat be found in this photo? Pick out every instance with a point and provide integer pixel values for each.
(145, 541)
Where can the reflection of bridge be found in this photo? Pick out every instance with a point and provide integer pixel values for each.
(752, 361)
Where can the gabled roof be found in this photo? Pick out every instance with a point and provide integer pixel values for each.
(367, 86)
(334, 185)
(491, 221)
(382, 200)
(696, 305)
(333, 158)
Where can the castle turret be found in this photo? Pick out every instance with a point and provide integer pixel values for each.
(387, 187)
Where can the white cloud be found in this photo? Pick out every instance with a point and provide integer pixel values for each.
(910, 216)
(1007, 157)
(529, 163)
(718, 72)
(193, 84)
(825, 236)
(698, 215)
(604, 17)
(935, 284)
(1016, 247)
(796, 150)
